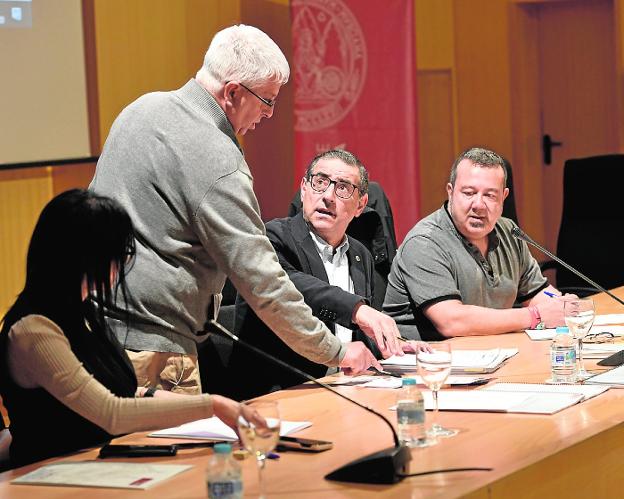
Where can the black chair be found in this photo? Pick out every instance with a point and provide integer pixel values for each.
(592, 216)
(509, 205)
(374, 228)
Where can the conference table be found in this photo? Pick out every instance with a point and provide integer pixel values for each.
(577, 452)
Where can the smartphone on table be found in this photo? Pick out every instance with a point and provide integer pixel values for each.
(303, 444)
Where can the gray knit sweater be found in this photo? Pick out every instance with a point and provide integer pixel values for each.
(173, 161)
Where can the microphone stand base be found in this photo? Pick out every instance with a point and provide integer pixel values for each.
(384, 466)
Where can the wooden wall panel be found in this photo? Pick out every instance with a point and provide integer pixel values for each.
(203, 20)
(435, 132)
(22, 196)
(149, 45)
(71, 177)
(526, 158)
(434, 34)
(482, 66)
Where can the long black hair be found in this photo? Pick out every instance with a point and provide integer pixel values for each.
(80, 237)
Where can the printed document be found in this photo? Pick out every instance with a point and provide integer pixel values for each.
(102, 474)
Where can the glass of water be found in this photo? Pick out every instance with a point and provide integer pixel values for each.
(260, 440)
(434, 368)
(579, 316)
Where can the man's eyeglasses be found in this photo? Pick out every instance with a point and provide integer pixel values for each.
(604, 337)
(268, 102)
(342, 188)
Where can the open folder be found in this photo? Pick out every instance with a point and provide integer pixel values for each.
(463, 361)
(215, 429)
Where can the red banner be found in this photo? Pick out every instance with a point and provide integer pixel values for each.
(355, 89)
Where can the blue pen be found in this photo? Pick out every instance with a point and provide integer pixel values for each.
(548, 293)
(272, 455)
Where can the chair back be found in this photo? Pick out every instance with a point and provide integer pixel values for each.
(592, 216)
(509, 205)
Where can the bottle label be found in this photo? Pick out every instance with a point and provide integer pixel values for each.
(563, 358)
(225, 488)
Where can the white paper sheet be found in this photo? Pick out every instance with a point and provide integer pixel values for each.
(604, 319)
(601, 350)
(585, 390)
(613, 378)
(549, 334)
(490, 401)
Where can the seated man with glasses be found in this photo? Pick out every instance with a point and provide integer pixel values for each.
(333, 272)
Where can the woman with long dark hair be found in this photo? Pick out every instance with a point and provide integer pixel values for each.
(64, 379)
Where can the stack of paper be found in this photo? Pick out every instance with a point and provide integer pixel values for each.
(613, 378)
(392, 382)
(215, 429)
(463, 361)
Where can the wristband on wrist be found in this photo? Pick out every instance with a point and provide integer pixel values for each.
(536, 319)
(149, 392)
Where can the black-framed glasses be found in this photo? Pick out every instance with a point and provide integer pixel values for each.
(342, 188)
(268, 102)
(604, 337)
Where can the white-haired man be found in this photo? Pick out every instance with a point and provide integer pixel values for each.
(173, 160)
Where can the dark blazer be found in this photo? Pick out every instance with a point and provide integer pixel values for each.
(299, 257)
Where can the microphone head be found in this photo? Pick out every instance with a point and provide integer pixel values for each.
(518, 233)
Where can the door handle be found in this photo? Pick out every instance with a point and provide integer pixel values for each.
(547, 144)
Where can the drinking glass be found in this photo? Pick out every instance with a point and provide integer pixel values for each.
(579, 316)
(434, 368)
(260, 440)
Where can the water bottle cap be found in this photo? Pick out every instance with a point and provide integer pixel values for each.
(408, 381)
(562, 330)
(222, 448)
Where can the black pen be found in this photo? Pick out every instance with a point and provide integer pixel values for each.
(193, 445)
(385, 373)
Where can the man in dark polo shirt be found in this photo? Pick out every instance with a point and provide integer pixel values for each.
(460, 270)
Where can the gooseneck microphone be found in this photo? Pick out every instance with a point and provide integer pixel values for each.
(385, 466)
(519, 234)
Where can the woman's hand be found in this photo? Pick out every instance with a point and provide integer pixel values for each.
(229, 411)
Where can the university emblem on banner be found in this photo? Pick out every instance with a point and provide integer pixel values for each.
(330, 62)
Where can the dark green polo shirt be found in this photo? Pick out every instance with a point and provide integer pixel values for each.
(435, 263)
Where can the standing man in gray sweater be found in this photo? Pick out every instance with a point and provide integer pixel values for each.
(173, 161)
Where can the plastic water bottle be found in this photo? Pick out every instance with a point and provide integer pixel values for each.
(223, 474)
(411, 414)
(563, 357)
